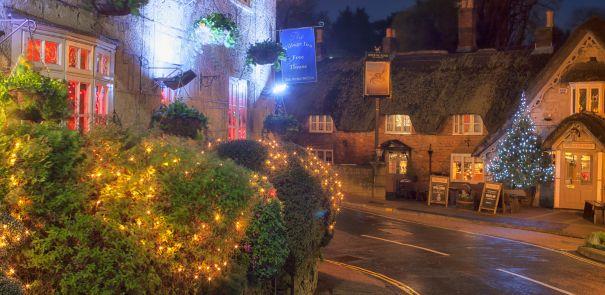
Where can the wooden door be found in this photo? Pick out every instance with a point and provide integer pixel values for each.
(578, 178)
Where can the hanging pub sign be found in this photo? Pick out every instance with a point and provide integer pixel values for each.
(439, 190)
(377, 75)
(300, 65)
(490, 197)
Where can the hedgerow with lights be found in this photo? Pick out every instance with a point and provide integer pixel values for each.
(113, 212)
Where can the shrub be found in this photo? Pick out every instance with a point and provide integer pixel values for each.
(247, 153)
(27, 95)
(596, 240)
(9, 287)
(179, 119)
(285, 126)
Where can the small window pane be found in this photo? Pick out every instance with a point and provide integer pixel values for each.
(583, 95)
(585, 169)
(84, 59)
(33, 49)
(51, 52)
(594, 100)
(73, 57)
(329, 156)
(573, 101)
(71, 95)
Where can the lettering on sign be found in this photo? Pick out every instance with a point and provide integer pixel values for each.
(439, 190)
(579, 145)
(490, 197)
(300, 65)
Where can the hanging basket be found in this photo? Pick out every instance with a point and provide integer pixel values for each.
(265, 53)
(118, 7)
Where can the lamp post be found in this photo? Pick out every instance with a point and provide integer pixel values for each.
(430, 151)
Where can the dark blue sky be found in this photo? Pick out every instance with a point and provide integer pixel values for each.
(378, 9)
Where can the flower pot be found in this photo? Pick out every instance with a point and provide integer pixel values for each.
(108, 7)
(464, 204)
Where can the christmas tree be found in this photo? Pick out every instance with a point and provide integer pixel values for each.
(520, 162)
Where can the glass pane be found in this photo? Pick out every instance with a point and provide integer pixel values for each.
(329, 156)
(83, 107)
(72, 59)
(468, 169)
(51, 52)
(33, 49)
(103, 64)
(573, 100)
(582, 106)
(71, 95)
(594, 100)
(456, 169)
(390, 123)
(84, 59)
(585, 169)
(478, 170)
(571, 167)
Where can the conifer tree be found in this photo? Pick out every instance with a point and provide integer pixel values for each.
(520, 161)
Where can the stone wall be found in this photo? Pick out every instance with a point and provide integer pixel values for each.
(159, 38)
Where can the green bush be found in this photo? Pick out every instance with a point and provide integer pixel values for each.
(27, 95)
(248, 153)
(596, 240)
(285, 126)
(179, 119)
(266, 240)
(9, 287)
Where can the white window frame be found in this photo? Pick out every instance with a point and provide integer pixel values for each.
(59, 66)
(89, 63)
(323, 153)
(99, 75)
(588, 86)
(390, 120)
(458, 125)
(317, 121)
(466, 158)
(88, 99)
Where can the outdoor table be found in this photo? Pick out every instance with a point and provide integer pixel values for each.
(594, 211)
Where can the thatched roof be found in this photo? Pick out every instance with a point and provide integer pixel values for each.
(585, 72)
(427, 86)
(595, 124)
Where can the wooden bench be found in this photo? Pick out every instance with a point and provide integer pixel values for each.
(594, 211)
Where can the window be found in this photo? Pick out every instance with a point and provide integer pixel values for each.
(238, 109)
(103, 63)
(78, 94)
(101, 103)
(587, 97)
(324, 155)
(579, 168)
(398, 124)
(320, 124)
(78, 58)
(468, 125)
(467, 168)
(43, 51)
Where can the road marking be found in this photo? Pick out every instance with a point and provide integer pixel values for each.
(401, 286)
(535, 281)
(407, 245)
(562, 252)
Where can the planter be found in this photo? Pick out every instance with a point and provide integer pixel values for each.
(266, 53)
(463, 204)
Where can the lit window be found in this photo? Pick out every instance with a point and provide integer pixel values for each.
(468, 125)
(78, 58)
(101, 103)
(579, 168)
(398, 124)
(587, 97)
(237, 120)
(467, 168)
(320, 124)
(78, 95)
(40, 50)
(324, 155)
(102, 64)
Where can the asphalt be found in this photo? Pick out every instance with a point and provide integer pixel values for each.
(434, 260)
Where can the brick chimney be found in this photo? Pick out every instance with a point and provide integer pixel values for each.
(544, 35)
(319, 44)
(467, 26)
(389, 43)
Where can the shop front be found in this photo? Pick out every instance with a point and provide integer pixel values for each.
(577, 146)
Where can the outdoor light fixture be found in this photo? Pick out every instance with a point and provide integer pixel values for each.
(177, 81)
(279, 88)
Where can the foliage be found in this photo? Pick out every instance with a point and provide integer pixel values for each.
(179, 119)
(9, 287)
(266, 52)
(218, 29)
(283, 125)
(27, 95)
(266, 240)
(247, 153)
(351, 34)
(520, 161)
(596, 240)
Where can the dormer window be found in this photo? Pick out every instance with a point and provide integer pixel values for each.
(321, 124)
(468, 125)
(398, 124)
(587, 97)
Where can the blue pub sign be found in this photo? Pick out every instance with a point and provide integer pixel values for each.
(300, 65)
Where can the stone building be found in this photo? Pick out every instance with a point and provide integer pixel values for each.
(118, 63)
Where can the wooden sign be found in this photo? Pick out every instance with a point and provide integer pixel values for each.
(490, 197)
(439, 190)
(377, 75)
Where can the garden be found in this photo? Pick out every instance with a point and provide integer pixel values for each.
(115, 211)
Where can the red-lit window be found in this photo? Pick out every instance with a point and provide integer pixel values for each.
(102, 64)
(39, 50)
(101, 103)
(238, 109)
(78, 95)
(78, 58)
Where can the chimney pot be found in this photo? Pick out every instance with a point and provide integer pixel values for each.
(550, 18)
(544, 36)
(467, 26)
(389, 33)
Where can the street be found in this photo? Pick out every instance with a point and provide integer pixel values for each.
(433, 260)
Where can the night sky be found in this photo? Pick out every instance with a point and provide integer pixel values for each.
(378, 9)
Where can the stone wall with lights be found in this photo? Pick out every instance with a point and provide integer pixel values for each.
(159, 38)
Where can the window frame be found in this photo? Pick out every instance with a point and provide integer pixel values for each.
(406, 121)
(459, 124)
(60, 65)
(321, 120)
(77, 70)
(473, 161)
(577, 87)
(89, 103)
(324, 152)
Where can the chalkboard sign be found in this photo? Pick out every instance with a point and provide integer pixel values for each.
(439, 190)
(490, 197)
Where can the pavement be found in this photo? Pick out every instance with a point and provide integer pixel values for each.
(385, 253)
(407, 247)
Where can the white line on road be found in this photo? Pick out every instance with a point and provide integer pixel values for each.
(401, 286)
(535, 281)
(407, 245)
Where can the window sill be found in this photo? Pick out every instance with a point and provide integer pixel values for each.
(398, 133)
(321, 132)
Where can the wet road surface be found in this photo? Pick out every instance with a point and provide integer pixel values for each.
(433, 260)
